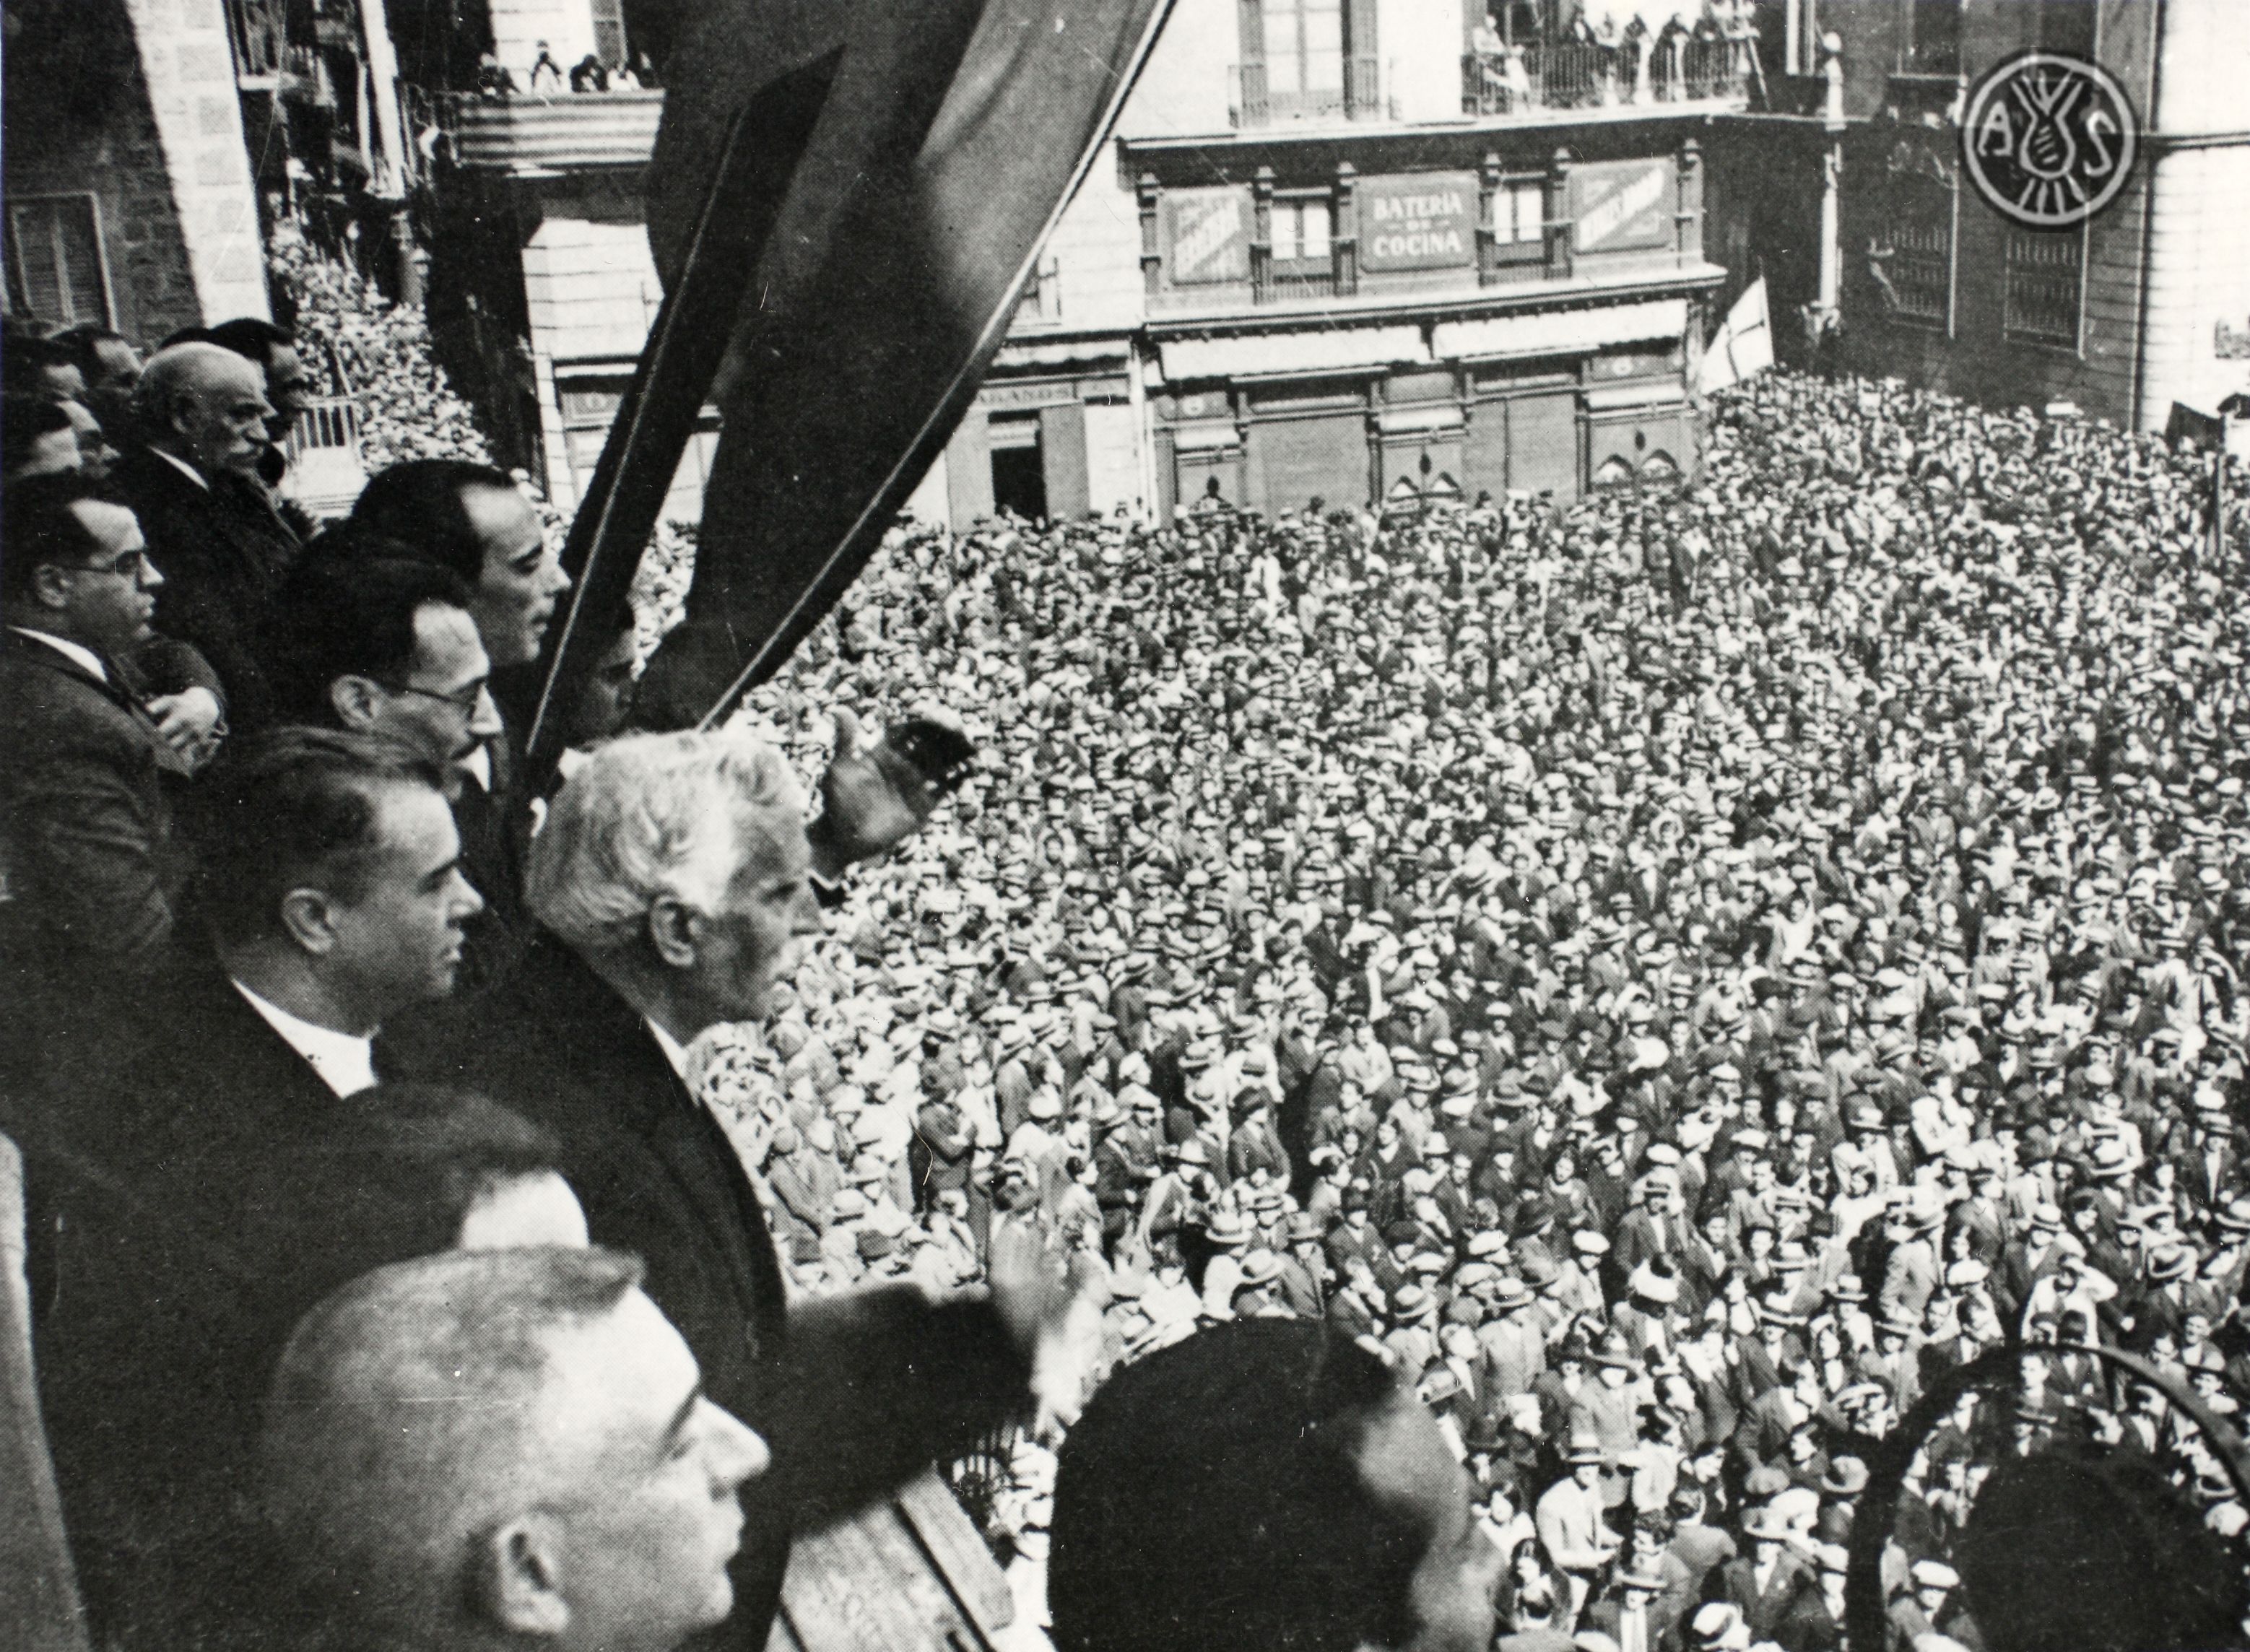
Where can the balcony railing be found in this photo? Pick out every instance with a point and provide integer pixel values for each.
(1527, 79)
(1260, 97)
(564, 132)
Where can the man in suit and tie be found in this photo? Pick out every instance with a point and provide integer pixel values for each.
(166, 1256)
(1568, 1516)
(211, 525)
(1304, 1281)
(1764, 1585)
(368, 638)
(671, 886)
(475, 522)
(87, 846)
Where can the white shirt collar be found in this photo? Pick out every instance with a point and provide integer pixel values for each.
(344, 1063)
(183, 468)
(674, 1052)
(77, 653)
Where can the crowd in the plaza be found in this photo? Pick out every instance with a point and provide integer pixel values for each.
(1654, 987)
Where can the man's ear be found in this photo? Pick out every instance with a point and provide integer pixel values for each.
(356, 701)
(518, 1582)
(310, 916)
(51, 586)
(672, 932)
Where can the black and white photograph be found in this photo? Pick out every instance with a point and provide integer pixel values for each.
(1125, 826)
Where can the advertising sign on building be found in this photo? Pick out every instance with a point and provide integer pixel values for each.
(1624, 204)
(1208, 233)
(1421, 221)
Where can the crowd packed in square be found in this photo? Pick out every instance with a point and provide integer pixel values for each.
(1661, 982)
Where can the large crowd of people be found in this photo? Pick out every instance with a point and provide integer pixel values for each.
(1679, 976)
(1660, 983)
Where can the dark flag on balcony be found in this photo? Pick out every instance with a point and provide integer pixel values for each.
(937, 141)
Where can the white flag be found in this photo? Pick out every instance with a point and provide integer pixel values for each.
(1745, 344)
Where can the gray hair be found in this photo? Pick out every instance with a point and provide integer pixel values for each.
(651, 817)
(180, 370)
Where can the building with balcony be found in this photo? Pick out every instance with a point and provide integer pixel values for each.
(130, 201)
(1364, 250)
(1345, 247)
(2139, 311)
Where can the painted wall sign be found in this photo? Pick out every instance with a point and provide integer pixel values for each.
(2049, 139)
(1421, 221)
(1623, 205)
(1209, 235)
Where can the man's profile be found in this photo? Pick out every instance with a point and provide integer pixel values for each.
(1263, 1484)
(502, 1444)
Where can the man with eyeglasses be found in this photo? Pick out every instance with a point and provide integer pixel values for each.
(86, 842)
(366, 636)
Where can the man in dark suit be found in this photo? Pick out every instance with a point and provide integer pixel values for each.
(474, 521)
(367, 637)
(86, 842)
(671, 882)
(168, 1260)
(289, 388)
(1765, 1583)
(212, 526)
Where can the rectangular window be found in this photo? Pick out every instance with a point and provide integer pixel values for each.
(588, 406)
(1920, 268)
(2046, 277)
(2067, 26)
(609, 31)
(1304, 52)
(1518, 212)
(1932, 36)
(1302, 230)
(56, 270)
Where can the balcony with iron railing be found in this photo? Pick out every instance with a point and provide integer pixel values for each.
(1263, 95)
(1577, 77)
(529, 136)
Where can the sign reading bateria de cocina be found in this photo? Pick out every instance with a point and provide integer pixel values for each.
(2048, 138)
(1419, 221)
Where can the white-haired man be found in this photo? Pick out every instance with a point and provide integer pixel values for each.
(211, 524)
(670, 886)
(490, 1445)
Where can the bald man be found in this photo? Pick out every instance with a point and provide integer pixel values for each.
(493, 1446)
(211, 524)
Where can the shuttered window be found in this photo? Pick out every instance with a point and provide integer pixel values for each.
(2045, 275)
(55, 267)
(609, 31)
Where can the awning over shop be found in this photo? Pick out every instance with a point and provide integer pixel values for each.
(1202, 439)
(1562, 332)
(1314, 349)
(1066, 352)
(1661, 393)
(1407, 421)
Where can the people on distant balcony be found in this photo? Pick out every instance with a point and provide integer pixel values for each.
(1632, 67)
(493, 79)
(590, 75)
(544, 65)
(1668, 67)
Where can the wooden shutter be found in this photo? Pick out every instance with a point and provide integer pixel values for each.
(1363, 58)
(609, 31)
(1298, 458)
(55, 269)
